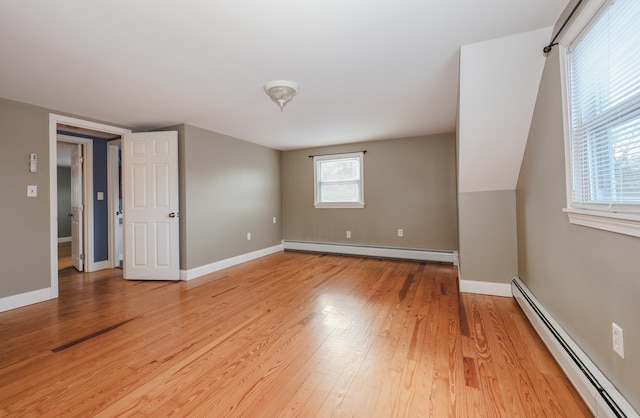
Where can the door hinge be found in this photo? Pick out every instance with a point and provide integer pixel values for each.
(82, 257)
(81, 160)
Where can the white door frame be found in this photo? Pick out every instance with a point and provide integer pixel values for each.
(54, 120)
(113, 191)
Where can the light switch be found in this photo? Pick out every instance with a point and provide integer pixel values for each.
(100, 195)
(33, 162)
(32, 191)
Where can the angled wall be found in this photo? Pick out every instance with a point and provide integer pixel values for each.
(499, 81)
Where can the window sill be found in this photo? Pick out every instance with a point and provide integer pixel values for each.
(339, 206)
(621, 223)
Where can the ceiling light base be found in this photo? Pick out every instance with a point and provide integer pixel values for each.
(281, 91)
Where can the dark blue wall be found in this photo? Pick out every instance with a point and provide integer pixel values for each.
(100, 207)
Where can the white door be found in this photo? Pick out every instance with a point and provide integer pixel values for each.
(150, 206)
(77, 208)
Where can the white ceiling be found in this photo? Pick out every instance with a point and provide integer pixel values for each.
(367, 69)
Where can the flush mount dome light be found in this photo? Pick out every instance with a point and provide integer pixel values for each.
(281, 91)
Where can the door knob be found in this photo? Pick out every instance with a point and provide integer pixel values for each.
(173, 215)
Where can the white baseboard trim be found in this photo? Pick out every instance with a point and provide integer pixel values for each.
(372, 251)
(100, 265)
(63, 239)
(229, 262)
(602, 398)
(485, 288)
(23, 299)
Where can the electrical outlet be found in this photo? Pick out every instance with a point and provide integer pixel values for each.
(400, 233)
(348, 234)
(248, 236)
(618, 339)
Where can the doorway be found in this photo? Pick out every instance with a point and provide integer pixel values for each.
(72, 162)
(56, 123)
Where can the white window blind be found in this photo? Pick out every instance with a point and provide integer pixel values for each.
(604, 95)
(338, 180)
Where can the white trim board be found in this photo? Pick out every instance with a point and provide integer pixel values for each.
(588, 380)
(229, 262)
(373, 251)
(64, 239)
(485, 288)
(100, 265)
(23, 299)
(622, 223)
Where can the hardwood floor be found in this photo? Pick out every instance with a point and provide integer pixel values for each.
(64, 255)
(291, 334)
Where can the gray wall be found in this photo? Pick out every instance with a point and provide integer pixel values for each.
(488, 245)
(64, 202)
(586, 278)
(410, 183)
(24, 226)
(229, 187)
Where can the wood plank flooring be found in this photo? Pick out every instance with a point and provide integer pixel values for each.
(64, 255)
(291, 334)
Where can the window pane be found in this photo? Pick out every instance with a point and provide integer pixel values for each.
(347, 169)
(626, 154)
(338, 180)
(605, 107)
(341, 192)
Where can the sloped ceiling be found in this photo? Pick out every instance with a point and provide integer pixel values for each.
(371, 69)
(499, 81)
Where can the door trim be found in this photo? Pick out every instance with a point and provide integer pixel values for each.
(54, 120)
(113, 190)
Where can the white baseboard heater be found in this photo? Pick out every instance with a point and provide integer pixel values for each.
(374, 251)
(599, 394)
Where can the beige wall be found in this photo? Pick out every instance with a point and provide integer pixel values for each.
(410, 183)
(586, 278)
(488, 245)
(229, 187)
(24, 226)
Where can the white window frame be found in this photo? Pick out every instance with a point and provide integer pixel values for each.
(316, 181)
(604, 217)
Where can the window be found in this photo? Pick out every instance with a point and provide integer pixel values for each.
(603, 64)
(339, 180)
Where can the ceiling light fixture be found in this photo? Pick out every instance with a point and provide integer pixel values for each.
(281, 91)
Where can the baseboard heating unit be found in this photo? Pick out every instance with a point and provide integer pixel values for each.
(599, 394)
(374, 251)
